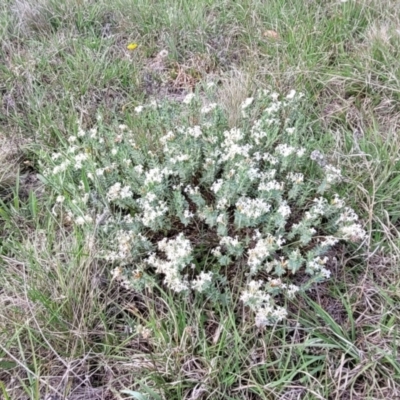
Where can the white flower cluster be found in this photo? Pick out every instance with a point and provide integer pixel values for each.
(231, 147)
(296, 178)
(152, 209)
(61, 167)
(178, 252)
(317, 265)
(124, 241)
(202, 282)
(116, 192)
(264, 248)
(333, 174)
(208, 108)
(242, 194)
(261, 303)
(230, 242)
(252, 208)
(154, 175)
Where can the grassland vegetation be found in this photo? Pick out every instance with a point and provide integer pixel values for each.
(199, 200)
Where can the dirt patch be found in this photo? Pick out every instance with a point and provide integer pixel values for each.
(15, 166)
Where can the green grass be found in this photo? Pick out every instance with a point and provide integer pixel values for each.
(65, 328)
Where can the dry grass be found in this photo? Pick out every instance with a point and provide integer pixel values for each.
(235, 88)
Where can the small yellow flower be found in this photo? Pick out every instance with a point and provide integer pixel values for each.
(132, 46)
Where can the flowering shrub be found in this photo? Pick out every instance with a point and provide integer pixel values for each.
(207, 200)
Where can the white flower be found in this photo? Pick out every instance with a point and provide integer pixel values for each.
(216, 252)
(114, 192)
(138, 169)
(128, 219)
(138, 109)
(337, 201)
(268, 315)
(85, 198)
(116, 273)
(216, 186)
(319, 208)
(272, 109)
(285, 150)
(72, 139)
(284, 209)
(60, 199)
(187, 214)
(124, 241)
(83, 220)
(253, 173)
(353, 233)
(188, 98)
(81, 132)
(179, 158)
(125, 192)
(191, 190)
(229, 241)
(290, 131)
(247, 103)
(154, 175)
(72, 149)
(56, 156)
(206, 109)
(300, 152)
(318, 157)
(233, 136)
(178, 253)
(221, 219)
(195, 131)
(291, 290)
(79, 158)
(318, 266)
(153, 104)
(260, 252)
(152, 208)
(62, 167)
(222, 203)
(296, 178)
(329, 241)
(168, 137)
(93, 133)
(143, 332)
(202, 281)
(270, 158)
(271, 185)
(348, 215)
(332, 174)
(253, 297)
(114, 151)
(274, 96)
(291, 94)
(252, 208)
